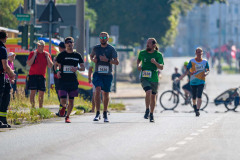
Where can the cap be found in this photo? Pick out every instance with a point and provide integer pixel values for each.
(185, 63)
(62, 45)
(11, 54)
(41, 43)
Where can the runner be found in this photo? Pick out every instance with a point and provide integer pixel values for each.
(151, 60)
(103, 55)
(38, 61)
(90, 71)
(187, 87)
(198, 69)
(61, 48)
(67, 63)
(4, 84)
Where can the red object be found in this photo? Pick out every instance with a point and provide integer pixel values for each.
(39, 65)
(67, 120)
(62, 112)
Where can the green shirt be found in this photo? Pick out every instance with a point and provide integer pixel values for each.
(92, 64)
(149, 70)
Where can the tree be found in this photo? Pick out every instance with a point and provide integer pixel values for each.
(142, 19)
(7, 7)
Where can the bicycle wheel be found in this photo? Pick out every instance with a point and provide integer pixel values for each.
(230, 105)
(169, 100)
(204, 101)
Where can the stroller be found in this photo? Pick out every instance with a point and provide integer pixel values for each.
(230, 99)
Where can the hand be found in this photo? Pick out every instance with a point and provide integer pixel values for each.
(59, 74)
(139, 68)
(103, 58)
(74, 69)
(12, 81)
(176, 80)
(153, 60)
(12, 76)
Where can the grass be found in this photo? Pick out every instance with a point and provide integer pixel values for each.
(20, 110)
(229, 70)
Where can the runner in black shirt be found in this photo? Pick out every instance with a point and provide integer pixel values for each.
(67, 63)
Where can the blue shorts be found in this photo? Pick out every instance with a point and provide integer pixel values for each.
(102, 80)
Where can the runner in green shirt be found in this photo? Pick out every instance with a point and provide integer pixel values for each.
(148, 62)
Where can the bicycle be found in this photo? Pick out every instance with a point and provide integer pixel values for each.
(230, 99)
(169, 99)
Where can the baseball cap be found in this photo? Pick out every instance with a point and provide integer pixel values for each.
(11, 54)
(62, 45)
(41, 43)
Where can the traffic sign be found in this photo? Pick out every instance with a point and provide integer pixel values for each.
(23, 17)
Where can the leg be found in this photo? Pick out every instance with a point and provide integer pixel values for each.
(199, 95)
(98, 98)
(70, 106)
(40, 98)
(105, 100)
(148, 98)
(32, 98)
(5, 103)
(93, 102)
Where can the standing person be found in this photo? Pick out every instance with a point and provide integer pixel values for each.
(4, 85)
(61, 48)
(90, 71)
(176, 86)
(38, 61)
(104, 56)
(11, 58)
(198, 69)
(68, 62)
(151, 60)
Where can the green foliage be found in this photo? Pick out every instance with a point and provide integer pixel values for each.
(139, 20)
(7, 7)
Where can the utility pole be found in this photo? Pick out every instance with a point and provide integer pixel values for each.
(219, 68)
(80, 45)
(87, 42)
(26, 6)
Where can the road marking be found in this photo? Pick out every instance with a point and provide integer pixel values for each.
(194, 134)
(160, 155)
(171, 149)
(205, 126)
(201, 130)
(181, 142)
(189, 138)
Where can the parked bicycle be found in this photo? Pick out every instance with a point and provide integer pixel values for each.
(229, 98)
(169, 99)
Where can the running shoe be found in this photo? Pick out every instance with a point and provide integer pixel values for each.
(3, 125)
(151, 117)
(62, 112)
(197, 113)
(105, 117)
(67, 120)
(146, 115)
(98, 116)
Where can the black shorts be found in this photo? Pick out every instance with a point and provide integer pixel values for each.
(36, 82)
(187, 87)
(197, 91)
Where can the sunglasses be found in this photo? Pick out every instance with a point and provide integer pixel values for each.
(103, 37)
(69, 42)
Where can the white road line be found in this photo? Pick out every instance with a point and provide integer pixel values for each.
(171, 149)
(200, 130)
(194, 134)
(189, 138)
(160, 155)
(205, 126)
(181, 142)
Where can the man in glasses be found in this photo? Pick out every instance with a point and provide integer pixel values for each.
(4, 86)
(198, 68)
(67, 65)
(104, 56)
(148, 62)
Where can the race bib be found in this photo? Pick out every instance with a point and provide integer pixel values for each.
(147, 74)
(199, 67)
(67, 69)
(103, 69)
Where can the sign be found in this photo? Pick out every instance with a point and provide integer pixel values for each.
(50, 9)
(23, 17)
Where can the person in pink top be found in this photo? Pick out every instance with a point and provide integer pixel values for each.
(11, 58)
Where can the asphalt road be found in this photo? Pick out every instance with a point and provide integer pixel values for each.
(174, 135)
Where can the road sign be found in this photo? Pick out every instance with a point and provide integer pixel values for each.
(50, 14)
(23, 17)
(19, 10)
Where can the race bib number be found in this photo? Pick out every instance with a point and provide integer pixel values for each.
(199, 67)
(67, 69)
(147, 74)
(103, 69)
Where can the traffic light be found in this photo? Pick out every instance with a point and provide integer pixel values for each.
(34, 36)
(24, 36)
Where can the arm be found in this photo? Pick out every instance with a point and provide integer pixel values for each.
(159, 66)
(90, 70)
(183, 75)
(31, 60)
(93, 56)
(9, 71)
(139, 67)
(49, 61)
(82, 67)
(114, 61)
